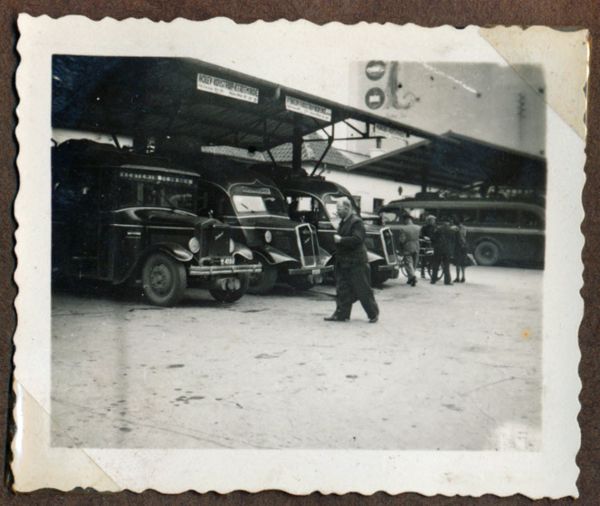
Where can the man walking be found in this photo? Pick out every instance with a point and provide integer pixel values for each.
(351, 266)
(410, 246)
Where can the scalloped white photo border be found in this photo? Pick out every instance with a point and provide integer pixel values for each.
(304, 56)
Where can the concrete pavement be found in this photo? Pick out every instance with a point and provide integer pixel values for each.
(447, 367)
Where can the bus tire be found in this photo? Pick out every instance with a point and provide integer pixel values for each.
(231, 295)
(164, 279)
(487, 253)
(263, 282)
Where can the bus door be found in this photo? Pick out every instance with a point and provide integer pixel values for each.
(83, 225)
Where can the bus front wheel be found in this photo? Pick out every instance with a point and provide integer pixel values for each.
(487, 253)
(164, 279)
(264, 281)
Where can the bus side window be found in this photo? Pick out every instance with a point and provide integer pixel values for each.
(530, 219)
(300, 208)
(467, 216)
(389, 217)
(498, 217)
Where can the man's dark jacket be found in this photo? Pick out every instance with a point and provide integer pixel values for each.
(351, 249)
(443, 240)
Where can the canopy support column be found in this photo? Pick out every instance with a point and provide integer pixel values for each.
(297, 147)
(424, 179)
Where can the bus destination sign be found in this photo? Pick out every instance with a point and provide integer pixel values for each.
(385, 131)
(226, 88)
(307, 108)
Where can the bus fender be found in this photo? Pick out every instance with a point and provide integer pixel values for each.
(324, 257)
(240, 250)
(373, 257)
(177, 251)
(275, 257)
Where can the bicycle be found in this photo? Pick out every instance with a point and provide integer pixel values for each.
(424, 260)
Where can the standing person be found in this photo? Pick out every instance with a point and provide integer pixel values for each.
(427, 231)
(460, 249)
(351, 266)
(410, 247)
(443, 248)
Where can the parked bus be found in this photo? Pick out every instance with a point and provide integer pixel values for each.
(252, 205)
(126, 218)
(314, 199)
(498, 231)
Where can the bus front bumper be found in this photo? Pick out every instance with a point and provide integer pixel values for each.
(220, 270)
(317, 270)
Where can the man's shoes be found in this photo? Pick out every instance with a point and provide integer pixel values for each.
(374, 319)
(448, 283)
(413, 281)
(335, 318)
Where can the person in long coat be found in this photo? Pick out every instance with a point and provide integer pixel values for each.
(351, 266)
(443, 248)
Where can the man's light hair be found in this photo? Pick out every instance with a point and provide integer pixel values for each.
(345, 201)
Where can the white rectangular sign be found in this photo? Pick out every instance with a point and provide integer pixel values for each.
(386, 131)
(226, 88)
(307, 108)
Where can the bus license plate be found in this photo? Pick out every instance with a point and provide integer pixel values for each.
(316, 272)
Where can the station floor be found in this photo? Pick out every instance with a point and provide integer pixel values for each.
(446, 367)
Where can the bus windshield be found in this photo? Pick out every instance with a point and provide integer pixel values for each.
(258, 200)
(156, 190)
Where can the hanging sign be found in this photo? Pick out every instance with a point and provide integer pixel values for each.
(226, 88)
(375, 70)
(385, 131)
(307, 108)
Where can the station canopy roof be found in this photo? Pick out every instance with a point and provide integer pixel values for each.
(454, 161)
(183, 98)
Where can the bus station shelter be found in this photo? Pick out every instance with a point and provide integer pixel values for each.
(454, 161)
(184, 104)
(180, 105)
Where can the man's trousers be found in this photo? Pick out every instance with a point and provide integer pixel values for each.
(353, 283)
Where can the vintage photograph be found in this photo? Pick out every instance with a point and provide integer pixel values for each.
(211, 231)
(294, 259)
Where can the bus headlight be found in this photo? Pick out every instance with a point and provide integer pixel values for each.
(231, 246)
(194, 245)
(268, 236)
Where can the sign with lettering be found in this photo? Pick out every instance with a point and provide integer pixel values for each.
(254, 190)
(385, 131)
(307, 108)
(375, 98)
(226, 88)
(375, 70)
